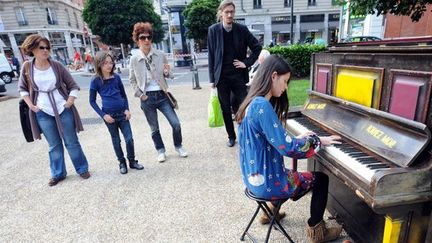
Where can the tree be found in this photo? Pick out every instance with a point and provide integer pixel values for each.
(199, 15)
(413, 8)
(113, 20)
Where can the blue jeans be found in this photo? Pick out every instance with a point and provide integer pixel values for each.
(48, 126)
(124, 125)
(157, 100)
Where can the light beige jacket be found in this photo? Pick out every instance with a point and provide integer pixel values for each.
(139, 75)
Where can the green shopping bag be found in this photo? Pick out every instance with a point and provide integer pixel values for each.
(215, 118)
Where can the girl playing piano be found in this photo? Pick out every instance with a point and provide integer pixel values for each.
(263, 143)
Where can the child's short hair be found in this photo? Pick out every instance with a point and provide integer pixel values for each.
(99, 60)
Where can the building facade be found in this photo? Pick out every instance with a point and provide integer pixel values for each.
(402, 26)
(58, 20)
(270, 20)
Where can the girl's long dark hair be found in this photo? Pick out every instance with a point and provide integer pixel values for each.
(99, 60)
(262, 84)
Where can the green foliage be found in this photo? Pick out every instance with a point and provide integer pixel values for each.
(199, 15)
(113, 20)
(297, 91)
(413, 8)
(298, 56)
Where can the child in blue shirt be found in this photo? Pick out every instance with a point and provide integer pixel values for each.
(263, 143)
(115, 108)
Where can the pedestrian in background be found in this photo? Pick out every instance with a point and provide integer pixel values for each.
(115, 108)
(88, 61)
(77, 60)
(228, 64)
(50, 91)
(15, 64)
(263, 142)
(262, 56)
(147, 73)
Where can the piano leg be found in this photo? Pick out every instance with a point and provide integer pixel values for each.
(392, 229)
(429, 231)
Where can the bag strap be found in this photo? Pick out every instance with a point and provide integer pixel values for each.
(27, 75)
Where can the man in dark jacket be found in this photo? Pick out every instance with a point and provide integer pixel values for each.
(228, 64)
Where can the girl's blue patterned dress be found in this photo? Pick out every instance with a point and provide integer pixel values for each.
(263, 143)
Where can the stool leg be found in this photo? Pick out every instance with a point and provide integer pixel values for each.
(250, 222)
(275, 220)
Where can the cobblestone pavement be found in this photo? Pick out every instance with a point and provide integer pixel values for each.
(194, 199)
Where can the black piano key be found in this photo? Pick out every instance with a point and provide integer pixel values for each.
(381, 166)
(359, 155)
(368, 162)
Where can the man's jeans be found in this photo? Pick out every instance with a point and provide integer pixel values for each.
(124, 125)
(157, 100)
(48, 126)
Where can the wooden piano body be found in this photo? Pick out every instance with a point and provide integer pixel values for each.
(378, 98)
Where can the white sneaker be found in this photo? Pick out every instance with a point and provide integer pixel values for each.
(161, 157)
(182, 152)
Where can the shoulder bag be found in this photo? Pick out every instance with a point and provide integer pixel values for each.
(24, 110)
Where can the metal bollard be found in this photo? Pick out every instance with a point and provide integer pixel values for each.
(195, 78)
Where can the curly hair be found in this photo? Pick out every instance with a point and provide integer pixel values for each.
(32, 41)
(141, 27)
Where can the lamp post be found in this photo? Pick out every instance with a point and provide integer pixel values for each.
(291, 22)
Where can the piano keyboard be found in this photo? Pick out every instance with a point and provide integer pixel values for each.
(351, 158)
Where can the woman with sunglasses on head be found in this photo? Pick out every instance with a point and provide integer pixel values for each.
(148, 72)
(50, 91)
(263, 143)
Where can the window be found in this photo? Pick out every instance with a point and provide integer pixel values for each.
(68, 17)
(19, 12)
(311, 2)
(240, 21)
(257, 4)
(51, 16)
(76, 20)
(287, 3)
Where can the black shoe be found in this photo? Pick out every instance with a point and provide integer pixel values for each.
(85, 175)
(54, 181)
(123, 168)
(231, 142)
(133, 164)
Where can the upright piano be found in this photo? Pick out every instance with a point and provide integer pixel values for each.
(377, 97)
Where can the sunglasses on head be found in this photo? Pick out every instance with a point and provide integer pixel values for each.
(44, 48)
(145, 37)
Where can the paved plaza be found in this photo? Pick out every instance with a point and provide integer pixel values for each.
(194, 199)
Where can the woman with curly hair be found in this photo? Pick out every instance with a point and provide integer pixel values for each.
(148, 73)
